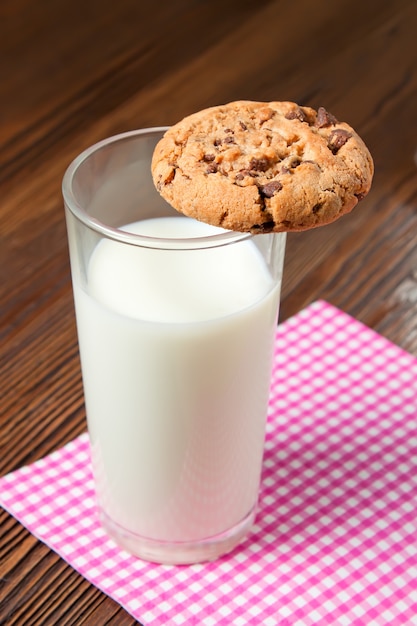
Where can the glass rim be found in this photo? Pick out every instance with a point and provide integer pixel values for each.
(123, 236)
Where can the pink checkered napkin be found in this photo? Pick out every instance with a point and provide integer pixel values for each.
(336, 535)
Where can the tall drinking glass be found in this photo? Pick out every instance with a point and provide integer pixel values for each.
(176, 323)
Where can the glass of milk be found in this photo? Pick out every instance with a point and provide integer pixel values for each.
(176, 322)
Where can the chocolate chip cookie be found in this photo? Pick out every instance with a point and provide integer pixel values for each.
(262, 167)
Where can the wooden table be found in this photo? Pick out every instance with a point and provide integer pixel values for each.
(73, 73)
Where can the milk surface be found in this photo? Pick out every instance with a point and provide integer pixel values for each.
(176, 350)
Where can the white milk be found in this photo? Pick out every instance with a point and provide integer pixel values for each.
(176, 351)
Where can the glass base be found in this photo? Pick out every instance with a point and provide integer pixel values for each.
(179, 552)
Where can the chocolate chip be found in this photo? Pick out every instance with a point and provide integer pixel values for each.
(266, 227)
(297, 114)
(284, 170)
(212, 168)
(295, 163)
(259, 165)
(228, 139)
(316, 208)
(243, 126)
(324, 118)
(229, 130)
(337, 139)
(270, 189)
(242, 173)
(207, 158)
(360, 196)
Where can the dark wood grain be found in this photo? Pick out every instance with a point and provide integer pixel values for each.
(73, 73)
